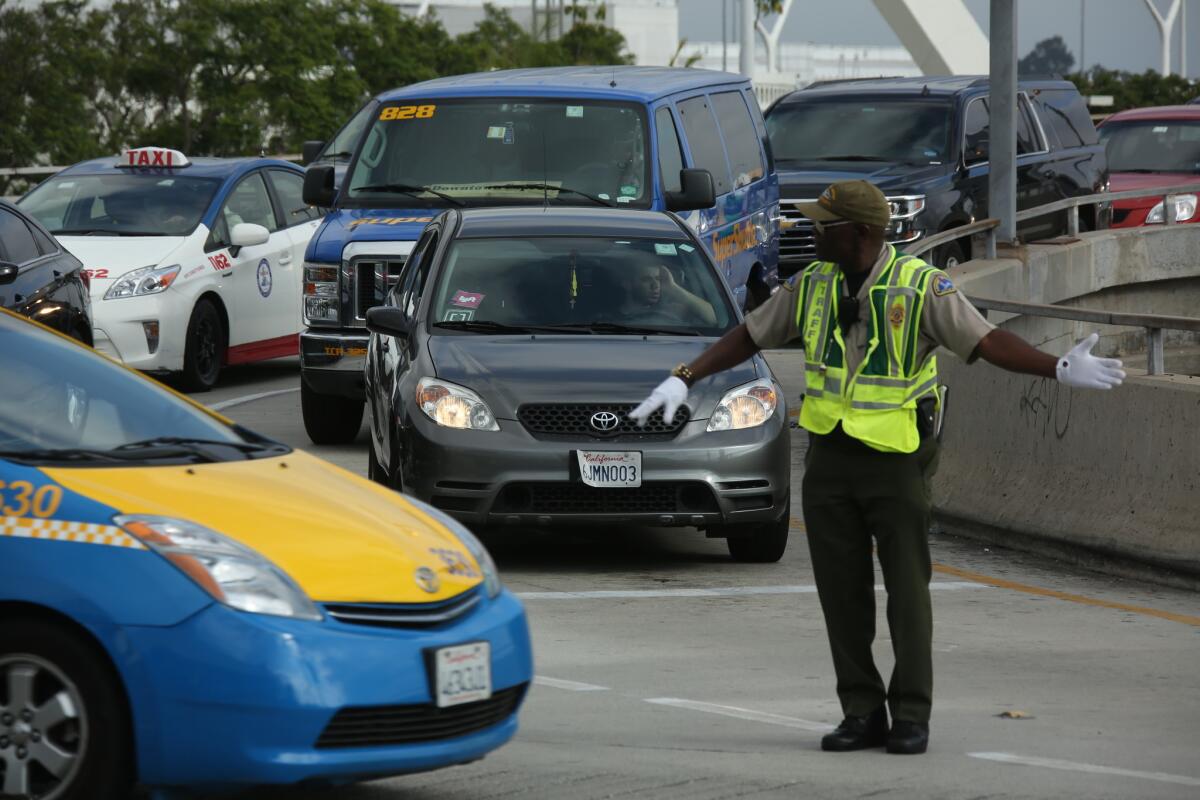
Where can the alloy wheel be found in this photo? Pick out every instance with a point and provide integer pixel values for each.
(43, 728)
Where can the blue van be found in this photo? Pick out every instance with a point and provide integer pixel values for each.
(683, 140)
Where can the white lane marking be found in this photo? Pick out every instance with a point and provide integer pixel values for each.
(570, 686)
(250, 398)
(730, 591)
(742, 713)
(1096, 769)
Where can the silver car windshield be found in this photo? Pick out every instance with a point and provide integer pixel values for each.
(592, 284)
(490, 151)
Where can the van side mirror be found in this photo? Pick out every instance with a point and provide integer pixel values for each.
(310, 150)
(696, 191)
(318, 186)
(8, 272)
(388, 321)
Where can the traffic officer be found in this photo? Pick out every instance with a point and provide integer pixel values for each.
(869, 319)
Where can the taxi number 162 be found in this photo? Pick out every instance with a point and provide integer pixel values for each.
(20, 499)
(407, 112)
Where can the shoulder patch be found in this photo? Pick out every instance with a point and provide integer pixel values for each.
(942, 285)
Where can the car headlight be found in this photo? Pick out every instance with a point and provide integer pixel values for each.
(320, 293)
(453, 406)
(1185, 209)
(906, 206)
(487, 567)
(147, 280)
(745, 407)
(231, 572)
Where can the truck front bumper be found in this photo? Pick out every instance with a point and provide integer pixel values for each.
(332, 361)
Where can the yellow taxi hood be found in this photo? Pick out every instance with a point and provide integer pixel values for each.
(342, 538)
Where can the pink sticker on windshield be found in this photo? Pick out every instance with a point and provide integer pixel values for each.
(466, 299)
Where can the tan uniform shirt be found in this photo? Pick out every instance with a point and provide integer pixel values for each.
(947, 320)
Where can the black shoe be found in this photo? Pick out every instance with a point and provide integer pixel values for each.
(908, 738)
(858, 733)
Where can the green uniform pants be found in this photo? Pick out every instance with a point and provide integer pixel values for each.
(851, 494)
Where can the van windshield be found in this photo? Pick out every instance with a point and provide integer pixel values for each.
(899, 130)
(503, 151)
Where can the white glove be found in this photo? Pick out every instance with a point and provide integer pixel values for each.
(669, 396)
(1082, 369)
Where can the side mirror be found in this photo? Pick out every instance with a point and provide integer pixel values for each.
(388, 321)
(8, 272)
(310, 150)
(696, 191)
(248, 234)
(318, 186)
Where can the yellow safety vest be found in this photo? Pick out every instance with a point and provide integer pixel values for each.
(877, 404)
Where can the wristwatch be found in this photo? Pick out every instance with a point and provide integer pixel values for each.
(684, 373)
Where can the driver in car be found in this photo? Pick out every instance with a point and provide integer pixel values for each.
(653, 296)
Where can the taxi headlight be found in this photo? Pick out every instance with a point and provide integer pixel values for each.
(147, 280)
(453, 406)
(487, 567)
(745, 407)
(1185, 209)
(231, 572)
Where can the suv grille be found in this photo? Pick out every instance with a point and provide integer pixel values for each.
(575, 420)
(797, 246)
(682, 497)
(408, 615)
(372, 280)
(376, 726)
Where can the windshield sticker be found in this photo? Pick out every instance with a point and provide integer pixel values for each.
(509, 137)
(665, 249)
(396, 113)
(466, 299)
(1160, 128)
(67, 185)
(603, 196)
(687, 248)
(574, 111)
(458, 315)
(386, 221)
(624, 199)
(495, 132)
(264, 278)
(631, 191)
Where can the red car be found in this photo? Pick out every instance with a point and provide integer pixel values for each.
(1150, 147)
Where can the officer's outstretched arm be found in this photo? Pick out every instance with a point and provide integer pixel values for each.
(1077, 368)
(730, 350)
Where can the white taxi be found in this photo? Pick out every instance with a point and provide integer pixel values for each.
(193, 264)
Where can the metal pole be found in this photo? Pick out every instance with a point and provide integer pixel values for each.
(1183, 37)
(1082, 38)
(746, 55)
(724, 35)
(1154, 351)
(1002, 154)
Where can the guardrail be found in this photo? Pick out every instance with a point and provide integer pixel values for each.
(1071, 205)
(1154, 324)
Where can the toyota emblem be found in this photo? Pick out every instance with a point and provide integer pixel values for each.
(427, 579)
(605, 421)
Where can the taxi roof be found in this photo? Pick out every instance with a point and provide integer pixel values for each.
(504, 221)
(644, 84)
(198, 168)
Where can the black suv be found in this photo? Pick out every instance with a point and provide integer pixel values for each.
(39, 279)
(924, 142)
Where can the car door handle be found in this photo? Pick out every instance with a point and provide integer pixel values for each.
(285, 260)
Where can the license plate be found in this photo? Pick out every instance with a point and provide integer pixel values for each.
(606, 469)
(463, 673)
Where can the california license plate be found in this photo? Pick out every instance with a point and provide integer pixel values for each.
(463, 673)
(606, 469)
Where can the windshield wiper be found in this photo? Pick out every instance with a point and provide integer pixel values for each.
(548, 187)
(345, 154)
(404, 188)
(616, 327)
(58, 455)
(490, 326)
(192, 444)
(104, 232)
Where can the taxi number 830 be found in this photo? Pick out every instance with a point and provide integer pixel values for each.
(20, 499)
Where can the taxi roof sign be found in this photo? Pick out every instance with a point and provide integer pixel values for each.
(161, 157)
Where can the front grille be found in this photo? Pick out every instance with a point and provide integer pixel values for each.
(563, 421)
(372, 280)
(377, 726)
(796, 244)
(673, 497)
(404, 615)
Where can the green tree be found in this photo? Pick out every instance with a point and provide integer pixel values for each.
(1048, 57)
(1136, 90)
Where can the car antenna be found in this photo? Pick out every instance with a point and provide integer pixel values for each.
(612, 84)
(545, 173)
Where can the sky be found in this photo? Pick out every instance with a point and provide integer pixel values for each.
(1120, 34)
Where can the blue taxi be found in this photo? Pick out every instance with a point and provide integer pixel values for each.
(184, 603)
